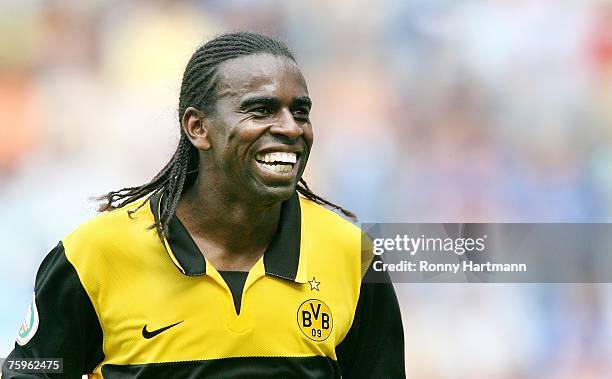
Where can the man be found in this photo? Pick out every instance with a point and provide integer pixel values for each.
(217, 267)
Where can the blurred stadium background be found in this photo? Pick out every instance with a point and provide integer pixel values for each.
(425, 110)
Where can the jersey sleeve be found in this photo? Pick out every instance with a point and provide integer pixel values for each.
(374, 345)
(61, 322)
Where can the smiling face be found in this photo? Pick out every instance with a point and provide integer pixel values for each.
(259, 136)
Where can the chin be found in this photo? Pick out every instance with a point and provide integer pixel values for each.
(273, 195)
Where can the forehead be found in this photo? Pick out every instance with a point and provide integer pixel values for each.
(262, 73)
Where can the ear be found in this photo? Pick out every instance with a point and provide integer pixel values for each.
(196, 127)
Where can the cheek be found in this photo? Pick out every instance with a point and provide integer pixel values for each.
(250, 131)
(241, 137)
(308, 135)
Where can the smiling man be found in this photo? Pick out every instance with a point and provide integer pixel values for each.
(225, 264)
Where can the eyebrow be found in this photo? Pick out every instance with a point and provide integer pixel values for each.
(273, 101)
(303, 101)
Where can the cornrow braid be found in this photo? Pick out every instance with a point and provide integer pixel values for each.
(198, 90)
(303, 189)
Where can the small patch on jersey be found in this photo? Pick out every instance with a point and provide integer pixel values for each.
(315, 319)
(314, 285)
(30, 324)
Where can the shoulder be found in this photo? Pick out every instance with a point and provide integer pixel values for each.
(110, 232)
(330, 232)
(322, 223)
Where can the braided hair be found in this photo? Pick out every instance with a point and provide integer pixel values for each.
(198, 90)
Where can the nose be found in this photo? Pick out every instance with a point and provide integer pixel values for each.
(287, 126)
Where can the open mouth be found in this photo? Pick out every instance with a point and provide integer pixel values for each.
(277, 162)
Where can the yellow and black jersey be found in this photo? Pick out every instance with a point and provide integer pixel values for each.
(114, 301)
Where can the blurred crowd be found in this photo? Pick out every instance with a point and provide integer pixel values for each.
(424, 111)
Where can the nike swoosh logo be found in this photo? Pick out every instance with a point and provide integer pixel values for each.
(146, 334)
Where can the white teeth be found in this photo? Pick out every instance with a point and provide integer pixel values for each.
(277, 157)
(280, 168)
(278, 162)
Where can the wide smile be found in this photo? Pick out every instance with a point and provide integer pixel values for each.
(277, 165)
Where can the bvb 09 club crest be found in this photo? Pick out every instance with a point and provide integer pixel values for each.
(315, 319)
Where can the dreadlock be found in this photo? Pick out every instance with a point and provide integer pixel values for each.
(197, 90)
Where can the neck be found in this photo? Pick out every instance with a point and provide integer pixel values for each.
(227, 225)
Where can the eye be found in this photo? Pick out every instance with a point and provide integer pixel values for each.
(261, 111)
(301, 114)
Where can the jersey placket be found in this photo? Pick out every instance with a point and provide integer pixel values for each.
(238, 323)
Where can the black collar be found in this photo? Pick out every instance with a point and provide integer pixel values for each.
(281, 259)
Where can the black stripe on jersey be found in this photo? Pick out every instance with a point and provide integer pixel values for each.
(229, 368)
(374, 346)
(68, 326)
